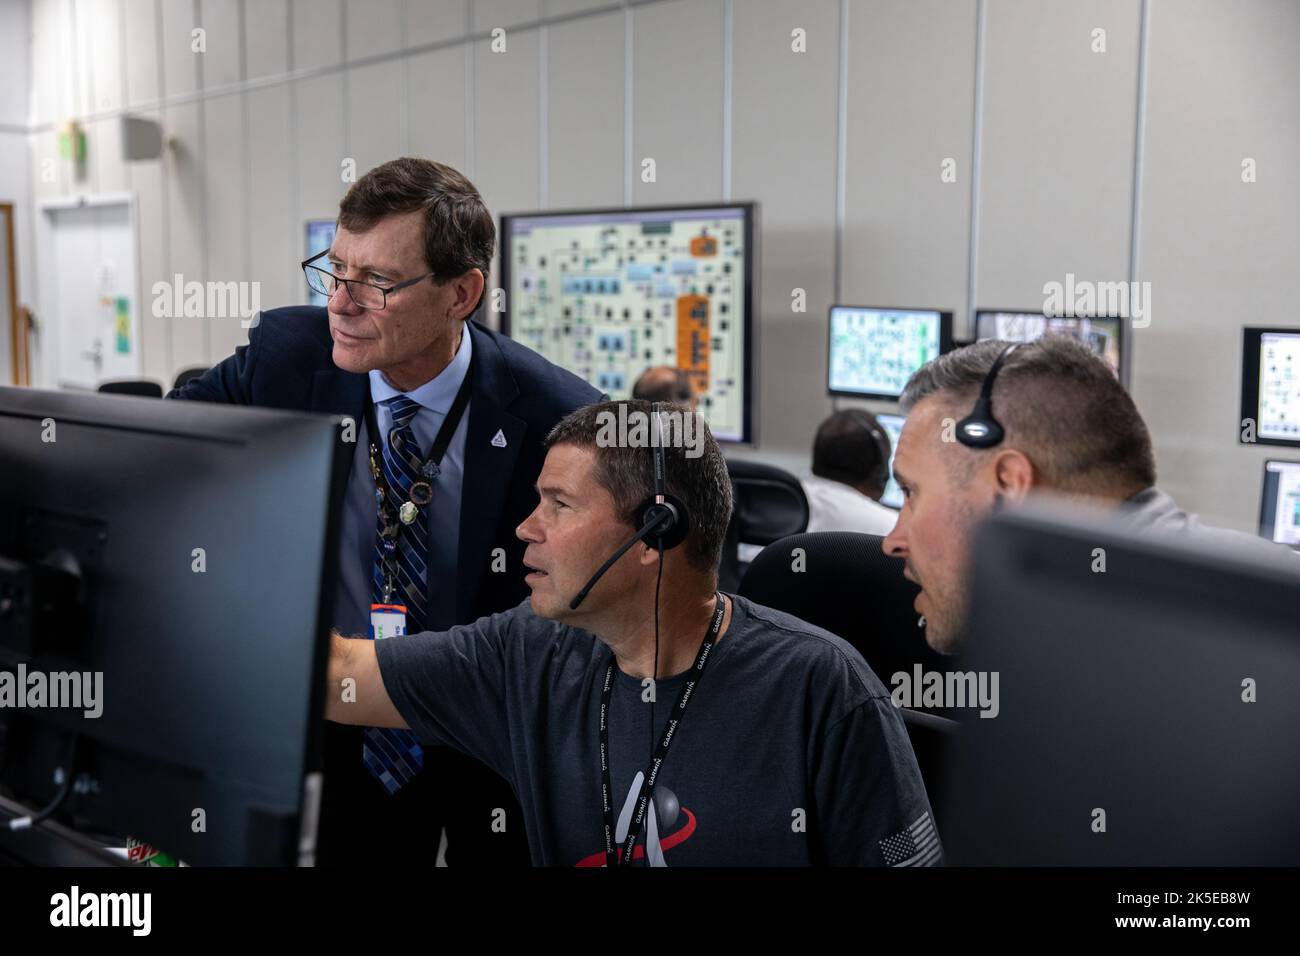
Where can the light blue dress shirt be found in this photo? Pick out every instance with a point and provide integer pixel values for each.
(360, 515)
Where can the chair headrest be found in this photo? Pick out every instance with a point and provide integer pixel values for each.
(843, 582)
(769, 502)
(140, 387)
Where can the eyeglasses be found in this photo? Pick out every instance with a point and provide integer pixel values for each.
(366, 295)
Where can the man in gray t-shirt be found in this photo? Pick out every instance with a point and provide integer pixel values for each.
(789, 751)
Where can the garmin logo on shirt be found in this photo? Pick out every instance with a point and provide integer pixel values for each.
(953, 689)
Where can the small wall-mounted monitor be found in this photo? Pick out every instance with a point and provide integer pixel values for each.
(893, 426)
(608, 293)
(320, 236)
(1104, 336)
(1270, 386)
(875, 350)
(1279, 503)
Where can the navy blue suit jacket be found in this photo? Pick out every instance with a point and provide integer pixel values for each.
(288, 364)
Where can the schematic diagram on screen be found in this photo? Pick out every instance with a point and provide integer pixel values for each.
(608, 296)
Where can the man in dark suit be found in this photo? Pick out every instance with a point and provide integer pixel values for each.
(456, 415)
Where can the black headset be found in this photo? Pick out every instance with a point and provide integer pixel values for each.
(665, 522)
(879, 476)
(980, 429)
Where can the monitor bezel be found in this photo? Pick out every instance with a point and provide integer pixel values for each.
(749, 220)
(902, 420)
(945, 345)
(196, 424)
(1251, 337)
(1125, 338)
(1263, 487)
(307, 225)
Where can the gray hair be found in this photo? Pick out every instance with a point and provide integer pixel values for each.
(1060, 404)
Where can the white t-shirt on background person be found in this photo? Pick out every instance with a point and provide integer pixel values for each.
(835, 506)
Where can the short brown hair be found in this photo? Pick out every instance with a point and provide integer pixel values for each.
(627, 473)
(1059, 403)
(459, 234)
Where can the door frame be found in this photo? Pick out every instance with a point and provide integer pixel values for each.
(17, 360)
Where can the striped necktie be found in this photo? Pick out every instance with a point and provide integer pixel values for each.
(392, 756)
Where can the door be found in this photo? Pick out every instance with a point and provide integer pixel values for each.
(91, 301)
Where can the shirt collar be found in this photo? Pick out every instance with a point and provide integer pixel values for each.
(439, 392)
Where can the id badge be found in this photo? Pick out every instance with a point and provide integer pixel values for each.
(387, 620)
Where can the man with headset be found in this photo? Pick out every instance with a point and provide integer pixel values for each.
(850, 469)
(993, 423)
(641, 715)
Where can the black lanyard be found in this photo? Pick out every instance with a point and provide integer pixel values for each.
(421, 491)
(675, 718)
(442, 440)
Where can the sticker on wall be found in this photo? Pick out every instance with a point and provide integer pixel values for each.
(123, 324)
(121, 306)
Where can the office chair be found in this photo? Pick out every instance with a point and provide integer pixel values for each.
(769, 504)
(188, 374)
(850, 587)
(132, 386)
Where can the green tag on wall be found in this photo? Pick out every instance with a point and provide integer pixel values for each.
(122, 324)
(72, 142)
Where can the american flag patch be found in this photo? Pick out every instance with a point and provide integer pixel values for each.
(918, 845)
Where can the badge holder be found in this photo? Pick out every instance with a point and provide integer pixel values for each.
(387, 620)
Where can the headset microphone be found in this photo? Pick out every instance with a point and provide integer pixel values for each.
(665, 522)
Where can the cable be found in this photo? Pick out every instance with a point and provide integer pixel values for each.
(31, 820)
(654, 682)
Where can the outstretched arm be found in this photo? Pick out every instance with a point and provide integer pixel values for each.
(356, 694)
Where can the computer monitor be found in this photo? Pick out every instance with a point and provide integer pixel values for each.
(1146, 705)
(893, 426)
(180, 556)
(1270, 385)
(1279, 503)
(320, 236)
(874, 350)
(609, 293)
(1104, 336)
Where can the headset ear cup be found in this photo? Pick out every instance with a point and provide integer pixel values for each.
(882, 476)
(681, 523)
(881, 473)
(979, 431)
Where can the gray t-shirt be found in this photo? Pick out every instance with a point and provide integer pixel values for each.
(1153, 512)
(790, 752)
